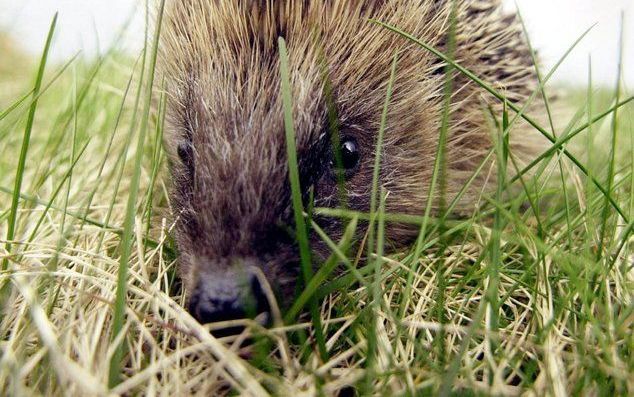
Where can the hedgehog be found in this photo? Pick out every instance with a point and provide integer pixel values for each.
(231, 196)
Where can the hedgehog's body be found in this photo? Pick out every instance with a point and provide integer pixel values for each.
(231, 190)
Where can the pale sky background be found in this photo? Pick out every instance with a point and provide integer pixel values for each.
(553, 24)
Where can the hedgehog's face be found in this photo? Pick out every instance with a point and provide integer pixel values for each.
(232, 192)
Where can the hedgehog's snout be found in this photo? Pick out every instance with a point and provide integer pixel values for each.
(230, 294)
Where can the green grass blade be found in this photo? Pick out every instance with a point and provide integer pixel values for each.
(375, 263)
(25, 143)
(156, 158)
(114, 373)
(338, 255)
(590, 158)
(605, 214)
(301, 231)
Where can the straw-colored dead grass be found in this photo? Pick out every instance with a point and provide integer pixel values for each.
(65, 348)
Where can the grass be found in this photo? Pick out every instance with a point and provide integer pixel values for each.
(25, 143)
(517, 299)
(114, 372)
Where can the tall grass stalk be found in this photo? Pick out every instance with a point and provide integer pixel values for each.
(605, 214)
(375, 248)
(301, 231)
(131, 209)
(19, 177)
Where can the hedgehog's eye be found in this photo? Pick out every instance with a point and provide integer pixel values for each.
(185, 152)
(349, 153)
(345, 160)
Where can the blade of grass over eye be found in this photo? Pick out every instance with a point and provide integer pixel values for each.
(605, 214)
(467, 73)
(334, 129)
(301, 231)
(114, 373)
(25, 144)
(375, 263)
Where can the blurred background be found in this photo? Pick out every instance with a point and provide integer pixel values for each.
(92, 25)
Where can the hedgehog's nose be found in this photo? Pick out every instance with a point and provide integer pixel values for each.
(228, 297)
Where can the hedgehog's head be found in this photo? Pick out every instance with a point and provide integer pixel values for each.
(227, 143)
